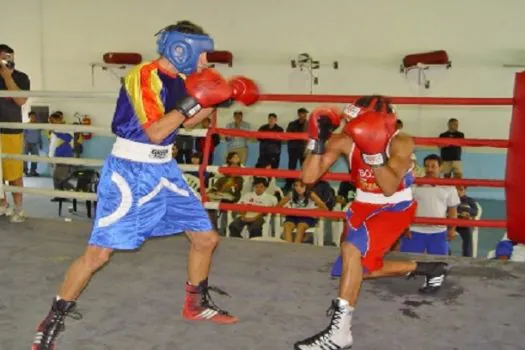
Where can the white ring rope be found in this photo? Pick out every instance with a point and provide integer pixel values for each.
(99, 130)
(60, 94)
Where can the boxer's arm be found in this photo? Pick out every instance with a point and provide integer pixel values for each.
(316, 165)
(162, 128)
(389, 176)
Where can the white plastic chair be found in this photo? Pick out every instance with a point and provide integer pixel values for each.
(475, 232)
(317, 231)
(194, 184)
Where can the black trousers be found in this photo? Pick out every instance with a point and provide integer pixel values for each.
(184, 156)
(295, 157)
(254, 228)
(466, 237)
(269, 158)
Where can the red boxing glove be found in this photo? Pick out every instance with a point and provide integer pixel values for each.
(245, 90)
(371, 135)
(321, 123)
(206, 88)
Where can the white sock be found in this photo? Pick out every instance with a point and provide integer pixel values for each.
(345, 305)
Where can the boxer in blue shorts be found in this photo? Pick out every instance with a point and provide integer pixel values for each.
(142, 192)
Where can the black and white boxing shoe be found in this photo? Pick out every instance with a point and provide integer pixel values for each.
(435, 274)
(338, 334)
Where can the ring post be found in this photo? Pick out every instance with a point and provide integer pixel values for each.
(515, 172)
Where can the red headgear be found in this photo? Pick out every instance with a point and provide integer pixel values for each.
(375, 103)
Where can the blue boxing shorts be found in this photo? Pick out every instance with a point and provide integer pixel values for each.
(142, 194)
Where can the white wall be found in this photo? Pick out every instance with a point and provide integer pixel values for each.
(56, 40)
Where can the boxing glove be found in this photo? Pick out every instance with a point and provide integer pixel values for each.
(371, 135)
(206, 88)
(245, 90)
(321, 123)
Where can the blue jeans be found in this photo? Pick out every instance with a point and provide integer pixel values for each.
(430, 243)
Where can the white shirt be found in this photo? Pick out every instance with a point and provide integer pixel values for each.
(265, 200)
(434, 201)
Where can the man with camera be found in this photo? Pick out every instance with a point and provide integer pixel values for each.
(12, 140)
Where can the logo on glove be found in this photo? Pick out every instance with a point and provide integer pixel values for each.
(351, 110)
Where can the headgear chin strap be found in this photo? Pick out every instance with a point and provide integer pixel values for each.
(182, 49)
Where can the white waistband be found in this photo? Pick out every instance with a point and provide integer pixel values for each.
(379, 198)
(141, 152)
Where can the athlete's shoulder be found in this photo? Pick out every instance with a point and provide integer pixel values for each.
(144, 68)
(402, 144)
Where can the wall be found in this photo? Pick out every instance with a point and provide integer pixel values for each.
(57, 40)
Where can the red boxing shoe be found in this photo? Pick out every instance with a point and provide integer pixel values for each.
(198, 305)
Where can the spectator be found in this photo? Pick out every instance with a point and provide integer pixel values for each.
(33, 144)
(238, 145)
(12, 139)
(174, 151)
(508, 250)
(436, 202)
(270, 150)
(201, 141)
(300, 197)
(185, 146)
(60, 146)
(345, 193)
(272, 183)
(399, 124)
(296, 148)
(451, 155)
(228, 188)
(417, 170)
(467, 210)
(253, 220)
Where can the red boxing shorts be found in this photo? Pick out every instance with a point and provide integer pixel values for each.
(374, 228)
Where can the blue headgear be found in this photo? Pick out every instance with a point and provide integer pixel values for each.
(183, 49)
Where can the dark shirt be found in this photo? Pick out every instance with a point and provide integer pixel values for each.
(268, 146)
(296, 126)
(451, 153)
(466, 205)
(9, 111)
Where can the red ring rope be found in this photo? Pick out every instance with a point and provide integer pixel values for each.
(449, 101)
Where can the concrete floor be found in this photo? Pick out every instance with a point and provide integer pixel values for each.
(279, 291)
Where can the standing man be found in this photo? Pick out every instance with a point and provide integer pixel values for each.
(156, 97)
(33, 145)
(12, 139)
(435, 202)
(383, 208)
(451, 155)
(270, 149)
(238, 145)
(296, 148)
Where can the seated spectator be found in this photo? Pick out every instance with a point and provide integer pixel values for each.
(467, 210)
(253, 220)
(508, 250)
(345, 193)
(60, 146)
(272, 189)
(326, 193)
(417, 170)
(228, 188)
(300, 197)
(436, 202)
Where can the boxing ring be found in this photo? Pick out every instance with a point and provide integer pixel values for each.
(279, 291)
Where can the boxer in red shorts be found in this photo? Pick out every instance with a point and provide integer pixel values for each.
(380, 161)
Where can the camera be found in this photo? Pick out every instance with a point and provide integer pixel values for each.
(9, 63)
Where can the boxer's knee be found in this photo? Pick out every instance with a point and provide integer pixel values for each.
(204, 241)
(350, 253)
(95, 257)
